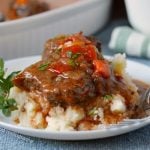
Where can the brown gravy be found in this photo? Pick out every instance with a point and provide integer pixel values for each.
(142, 86)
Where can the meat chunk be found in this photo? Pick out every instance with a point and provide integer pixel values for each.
(53, 46)
(56, 88)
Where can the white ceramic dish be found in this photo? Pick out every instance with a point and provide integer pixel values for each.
(27, 36)
(141, 72)
(139, 14)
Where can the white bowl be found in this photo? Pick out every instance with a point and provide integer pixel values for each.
(27, 36)
(138, 12)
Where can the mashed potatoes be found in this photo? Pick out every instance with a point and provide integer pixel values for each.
(57, 120)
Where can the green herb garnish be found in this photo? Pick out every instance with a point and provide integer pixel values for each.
(108, 97)
(71, 63)
(93, 112)
(43, 67)
(7, 105)
(73, 58)
(69, 54)
(1, 68)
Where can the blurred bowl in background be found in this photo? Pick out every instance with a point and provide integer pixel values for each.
(138, 12)
(25, 37)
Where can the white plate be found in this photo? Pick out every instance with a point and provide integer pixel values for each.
(136, 70)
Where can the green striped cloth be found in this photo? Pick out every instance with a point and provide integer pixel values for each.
(126, 40)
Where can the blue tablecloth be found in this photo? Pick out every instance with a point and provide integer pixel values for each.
(137, 140)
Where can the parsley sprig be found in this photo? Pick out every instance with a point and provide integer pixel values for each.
(7, 105)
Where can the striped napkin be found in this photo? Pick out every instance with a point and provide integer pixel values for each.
(126, 40)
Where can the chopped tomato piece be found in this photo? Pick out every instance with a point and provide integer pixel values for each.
(102, 68)
(90, 52)
(74, 49)
(60, 68)
(21, 2)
